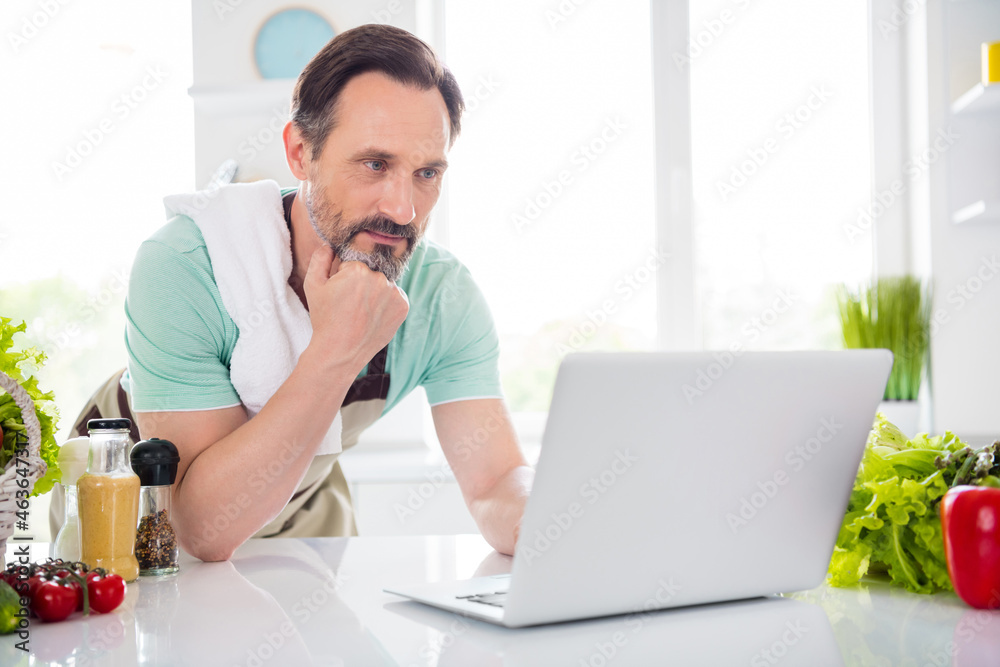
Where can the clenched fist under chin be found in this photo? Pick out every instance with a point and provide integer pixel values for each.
(354, 311)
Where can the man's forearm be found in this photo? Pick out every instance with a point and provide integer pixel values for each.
(233, 488)
(498, 512)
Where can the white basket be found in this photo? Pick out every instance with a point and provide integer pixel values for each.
(32, 461)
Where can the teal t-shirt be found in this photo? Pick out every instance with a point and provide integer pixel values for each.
(180, 338)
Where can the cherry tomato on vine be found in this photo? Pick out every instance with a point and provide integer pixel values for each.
(77, 586)
(10, 575)
(54, 601)
(105, 590)
(35, 582)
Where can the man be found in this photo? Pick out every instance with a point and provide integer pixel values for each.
(373, 117)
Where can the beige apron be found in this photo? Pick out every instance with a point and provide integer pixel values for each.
(321, 506)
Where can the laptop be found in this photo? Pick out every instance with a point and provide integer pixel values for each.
(675, 479)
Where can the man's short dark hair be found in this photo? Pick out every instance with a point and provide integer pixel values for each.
(369, 48)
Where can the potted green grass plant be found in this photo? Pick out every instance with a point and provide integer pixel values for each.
(892, 313)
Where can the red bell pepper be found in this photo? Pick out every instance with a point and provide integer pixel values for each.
(970, 521)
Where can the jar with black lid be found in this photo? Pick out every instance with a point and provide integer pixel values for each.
(155, 462)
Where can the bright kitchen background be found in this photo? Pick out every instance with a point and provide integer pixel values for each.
(576, 276)
(781, 150)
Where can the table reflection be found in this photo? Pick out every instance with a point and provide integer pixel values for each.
(878, 625)
(764, 631)
(276, 602)
(320, 602)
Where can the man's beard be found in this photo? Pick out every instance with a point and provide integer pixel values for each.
(338, 234)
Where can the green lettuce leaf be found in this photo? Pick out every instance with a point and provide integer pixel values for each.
(15, 364)
(891, 524)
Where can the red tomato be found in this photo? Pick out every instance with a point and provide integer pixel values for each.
(67, 571)
(54, 601)
(65, 576)
(13, 577)
(75, 585)
(106, 591)
(78, 590)
(34, 583)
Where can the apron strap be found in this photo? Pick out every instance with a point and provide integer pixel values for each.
(374, 385)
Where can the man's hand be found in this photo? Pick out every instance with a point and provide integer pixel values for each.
(481, 447)
(354, 311)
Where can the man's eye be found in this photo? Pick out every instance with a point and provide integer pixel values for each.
(428, 173)
(375, 165)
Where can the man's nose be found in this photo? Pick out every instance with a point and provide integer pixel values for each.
(397, 201)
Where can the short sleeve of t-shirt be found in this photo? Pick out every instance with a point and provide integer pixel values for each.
(178, 335)
(463, 339)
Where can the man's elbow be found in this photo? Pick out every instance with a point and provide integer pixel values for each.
(214, 555)
(209, 546)
(210, 552)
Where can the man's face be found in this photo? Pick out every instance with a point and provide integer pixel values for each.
(370, 193)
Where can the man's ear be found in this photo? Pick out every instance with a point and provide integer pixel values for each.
(296, 151)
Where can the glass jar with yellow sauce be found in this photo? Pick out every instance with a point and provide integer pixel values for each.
(108, 500)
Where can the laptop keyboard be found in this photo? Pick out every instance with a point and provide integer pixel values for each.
(493, 599)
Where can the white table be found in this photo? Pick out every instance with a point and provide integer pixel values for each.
(320, 602)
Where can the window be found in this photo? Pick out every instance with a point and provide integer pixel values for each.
(98, 129)
(550, 194)
(780, 165)
(101, 130)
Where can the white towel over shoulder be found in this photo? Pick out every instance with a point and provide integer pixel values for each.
(248, 243)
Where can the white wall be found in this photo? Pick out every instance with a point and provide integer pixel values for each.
(965, 350)
(924, 57)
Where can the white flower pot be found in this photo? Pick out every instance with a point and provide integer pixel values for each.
(904, 414)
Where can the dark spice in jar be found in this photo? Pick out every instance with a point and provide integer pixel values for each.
(155, 542)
